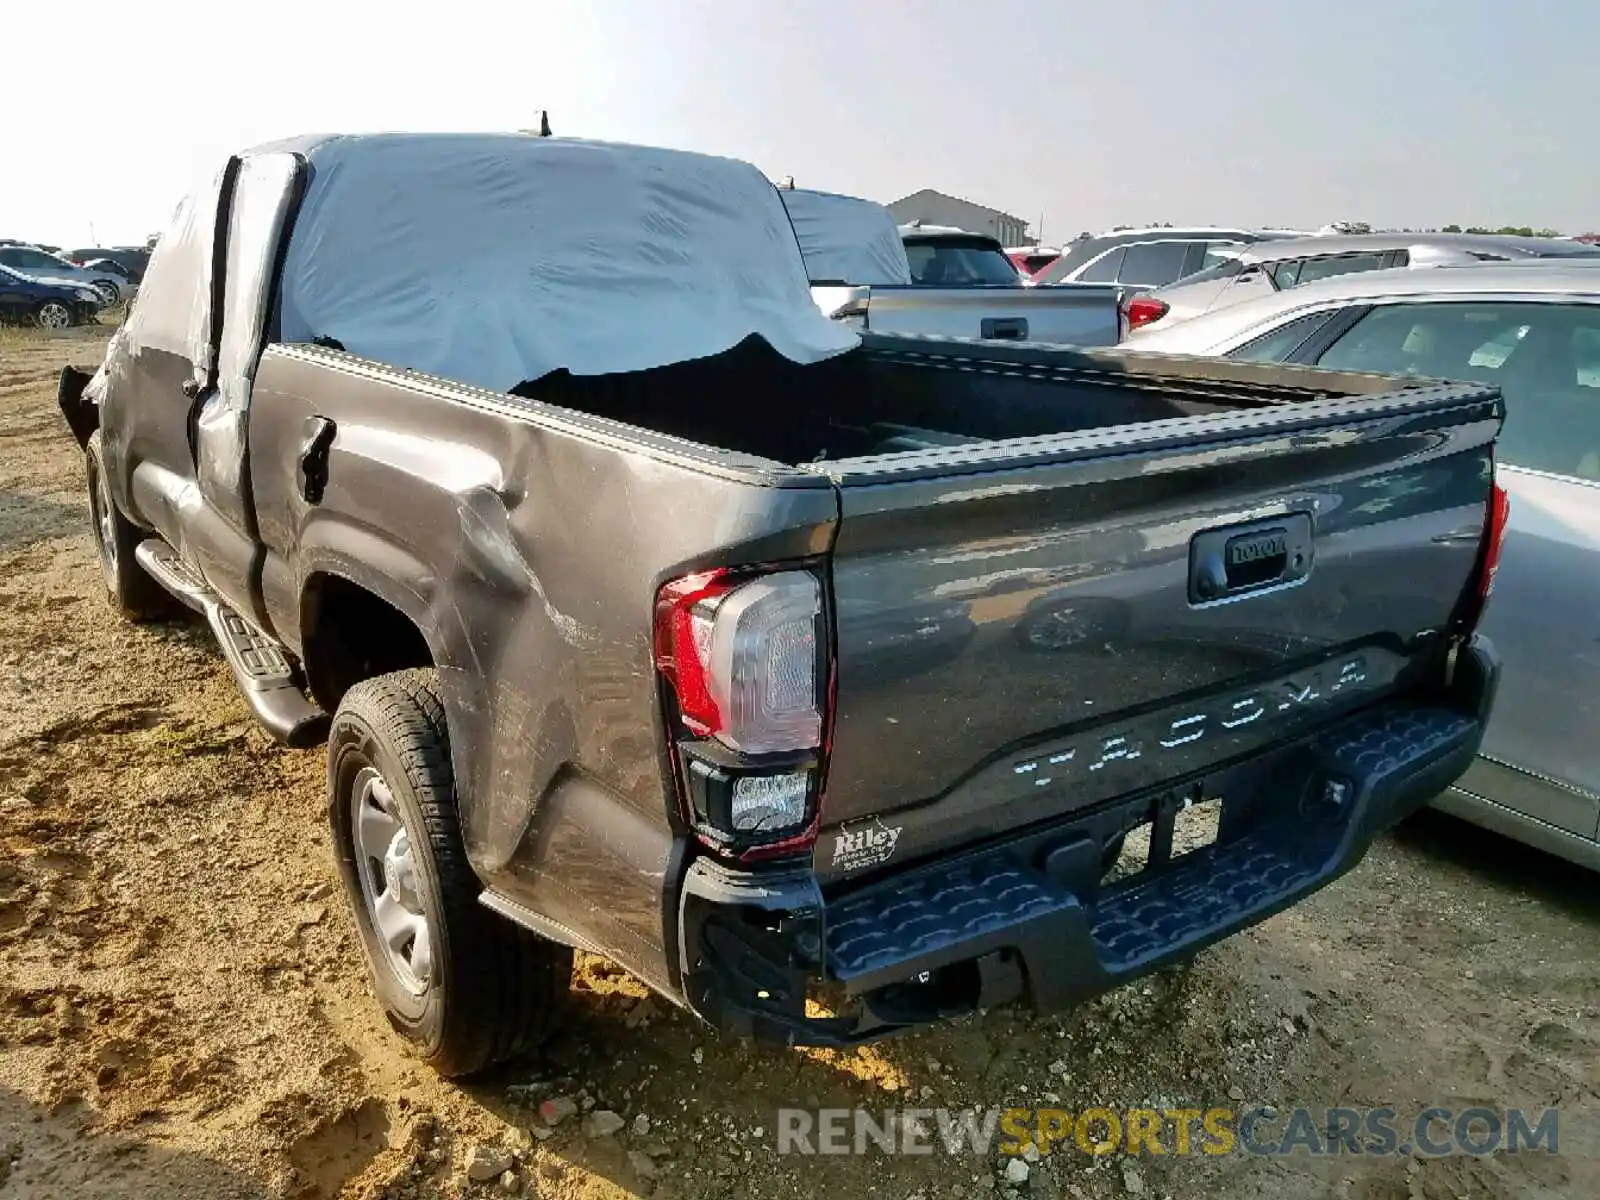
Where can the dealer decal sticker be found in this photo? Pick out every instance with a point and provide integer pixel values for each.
(858, 848)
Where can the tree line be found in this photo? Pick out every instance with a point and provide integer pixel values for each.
(1509, 230)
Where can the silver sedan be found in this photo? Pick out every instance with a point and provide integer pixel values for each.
(1535, 331)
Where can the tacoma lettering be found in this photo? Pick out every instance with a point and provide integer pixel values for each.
(1297, 693)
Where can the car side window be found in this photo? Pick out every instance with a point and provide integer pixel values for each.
(1278, 344)
(1286, 274)
(1545, 358)
(1316, 269)
(1151, 264)
(1073, 256)
(1223, 268)
(1215, 254)
(1105, 268)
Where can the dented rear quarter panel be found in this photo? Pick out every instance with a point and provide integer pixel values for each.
(527, 543)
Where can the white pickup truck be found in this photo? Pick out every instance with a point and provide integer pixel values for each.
(928, 280)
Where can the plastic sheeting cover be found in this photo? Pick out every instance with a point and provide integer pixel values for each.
(260, 203)
(173, 312)
(494, 259)
(844, 239)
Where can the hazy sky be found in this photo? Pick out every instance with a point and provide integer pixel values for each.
(1091, 112)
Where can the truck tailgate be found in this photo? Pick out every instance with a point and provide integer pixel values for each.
(1028, 628)
(1073, 315)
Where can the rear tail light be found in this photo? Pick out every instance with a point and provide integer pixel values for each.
(745, 661)
(1144, 310)
(1494, 540)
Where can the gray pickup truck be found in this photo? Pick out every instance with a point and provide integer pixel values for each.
(646, 611)
(932, 281)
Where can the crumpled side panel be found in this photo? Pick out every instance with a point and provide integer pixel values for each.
(261, 197)
(495, 259)
(846, 240)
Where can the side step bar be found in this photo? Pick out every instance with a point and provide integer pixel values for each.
(260, 664)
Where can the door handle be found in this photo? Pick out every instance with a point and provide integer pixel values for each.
(190, 388)
(1237, 559)
(1005, 328)
(312, 469)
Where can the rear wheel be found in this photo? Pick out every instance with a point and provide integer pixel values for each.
(131, 592)
(53, 314)
(465, 986)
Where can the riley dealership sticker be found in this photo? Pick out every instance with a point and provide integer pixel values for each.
(854, 849)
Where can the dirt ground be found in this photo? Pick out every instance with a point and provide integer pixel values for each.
(184, 1011)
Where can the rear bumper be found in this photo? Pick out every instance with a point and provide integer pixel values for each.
(1027, 917)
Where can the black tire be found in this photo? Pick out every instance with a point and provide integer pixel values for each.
(131, 592)
(493, 988)
(54, 314)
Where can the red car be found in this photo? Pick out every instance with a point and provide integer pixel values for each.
(1030, 260)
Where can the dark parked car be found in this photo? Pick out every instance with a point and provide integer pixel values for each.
(132, 259)
(37, 263)
(26, 301)
(111, 269)
(646, 610)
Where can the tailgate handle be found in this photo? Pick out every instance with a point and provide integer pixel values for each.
(1236, 559)
(1004, 328)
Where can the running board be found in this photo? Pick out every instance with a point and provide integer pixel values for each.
(259, 663)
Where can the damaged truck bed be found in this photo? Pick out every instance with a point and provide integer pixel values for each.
(777, 663)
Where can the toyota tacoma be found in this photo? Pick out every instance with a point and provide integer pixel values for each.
(831, 682)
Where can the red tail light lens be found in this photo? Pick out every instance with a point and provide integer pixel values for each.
(1494, 540)
(1143, 310)
(683, 622)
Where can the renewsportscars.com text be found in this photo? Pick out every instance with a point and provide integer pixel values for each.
(1261, 1130)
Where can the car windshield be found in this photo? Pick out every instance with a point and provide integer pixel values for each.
(951, 262)
(34, 260)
